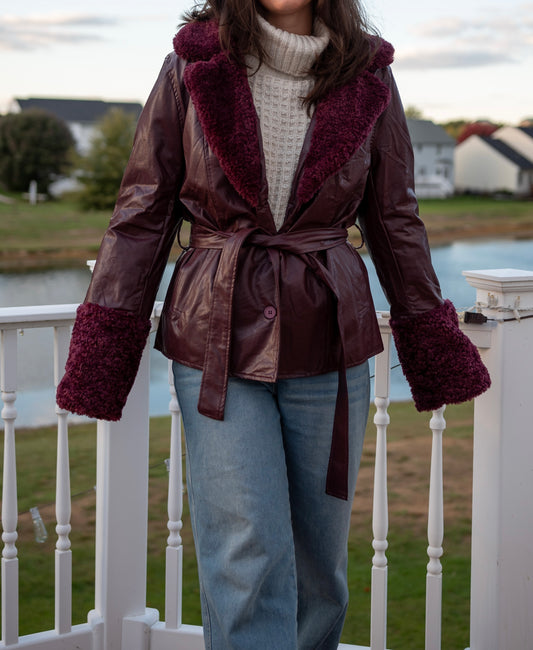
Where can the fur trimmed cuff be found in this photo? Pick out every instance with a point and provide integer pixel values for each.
(104, 356)
(440, 363)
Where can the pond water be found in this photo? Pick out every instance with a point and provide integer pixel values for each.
(35, 400)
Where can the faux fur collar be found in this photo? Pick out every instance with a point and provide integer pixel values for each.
(221, 95)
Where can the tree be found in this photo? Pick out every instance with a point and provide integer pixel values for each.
(34, 145)
(414, 113)
(104, 165)
(454, 127)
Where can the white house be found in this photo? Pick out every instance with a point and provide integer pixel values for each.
(490, 165)
(520, 138)
(433, 150)
(81, 115)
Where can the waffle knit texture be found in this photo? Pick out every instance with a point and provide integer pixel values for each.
(278, 88)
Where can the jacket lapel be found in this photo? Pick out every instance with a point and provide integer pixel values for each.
(221, 95)
(223, 101)
(343, 120)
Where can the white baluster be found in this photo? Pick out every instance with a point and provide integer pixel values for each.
(380, 517)
(63, 554)
(435, 536)
(10, 579)
(174, 552)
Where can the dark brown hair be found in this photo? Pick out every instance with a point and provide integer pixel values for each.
(348, 53)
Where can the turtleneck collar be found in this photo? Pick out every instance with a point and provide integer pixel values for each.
(293, 54)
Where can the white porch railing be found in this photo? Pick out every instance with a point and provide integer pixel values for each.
(502, 525)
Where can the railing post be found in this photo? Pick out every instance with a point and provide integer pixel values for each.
(502, 515)
(10, 566)
(63, 554)
(437, 425)
(380, 511)
(174, 551)
(121, 521)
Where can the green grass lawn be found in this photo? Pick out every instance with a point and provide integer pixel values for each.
(50, 225)
(409, 449)
(464, 217)
(469, 205)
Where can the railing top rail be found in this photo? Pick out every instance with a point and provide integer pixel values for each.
(28, 316)
(24, 317)
(37, 315)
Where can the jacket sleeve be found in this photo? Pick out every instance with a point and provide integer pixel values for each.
(440, 363)
(113, 324)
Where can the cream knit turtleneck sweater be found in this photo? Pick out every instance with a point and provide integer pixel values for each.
(277, 89)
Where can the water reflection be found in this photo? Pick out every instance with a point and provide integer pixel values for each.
(43, 287)
(35, 401)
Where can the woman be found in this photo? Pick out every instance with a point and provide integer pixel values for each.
(271, 128)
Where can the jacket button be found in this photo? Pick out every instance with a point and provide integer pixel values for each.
(270, 312)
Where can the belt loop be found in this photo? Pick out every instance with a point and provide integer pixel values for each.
(362, 238)
(178, 235)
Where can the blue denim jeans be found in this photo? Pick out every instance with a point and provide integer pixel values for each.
(271, 544)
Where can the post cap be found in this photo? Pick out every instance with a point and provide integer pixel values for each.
(501, 280)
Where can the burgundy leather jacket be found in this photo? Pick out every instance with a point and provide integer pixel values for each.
(245, 299)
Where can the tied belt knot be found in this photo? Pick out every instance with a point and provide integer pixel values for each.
(214, 384)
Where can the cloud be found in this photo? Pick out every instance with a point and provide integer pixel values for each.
(490, 38)
(442, 27)
(510, 28)
(41, 31)
(450, 58)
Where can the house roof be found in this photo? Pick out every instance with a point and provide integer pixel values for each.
(507, 151)
(427, 132)
(77, 110)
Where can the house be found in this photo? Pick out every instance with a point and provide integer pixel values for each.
(433, 151)
(489, 165)
(520, 138)
(81, 115)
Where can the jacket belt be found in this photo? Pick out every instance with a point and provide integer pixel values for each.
(214, 385)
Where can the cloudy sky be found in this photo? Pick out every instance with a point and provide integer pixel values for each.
(455, 59)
